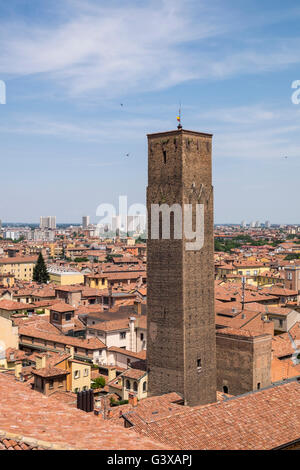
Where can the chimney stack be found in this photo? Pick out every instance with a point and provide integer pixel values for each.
(112, 373)
(138, 307)
(18, 369)
(132, 399)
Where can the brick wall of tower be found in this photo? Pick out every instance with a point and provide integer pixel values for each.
(243, 362)
(180, 300)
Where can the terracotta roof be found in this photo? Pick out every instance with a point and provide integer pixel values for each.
(50, 372)
(93, 343)
(18, 259)
(126, 352)
(54, 423)
(111, 325)
(11, 305)
(62, 307)
(282, 346)
(259, 420)
(134, 373)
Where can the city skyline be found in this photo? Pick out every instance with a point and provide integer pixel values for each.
(87, 114)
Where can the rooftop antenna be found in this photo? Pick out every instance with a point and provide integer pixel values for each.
(179, 117)
(243, 292)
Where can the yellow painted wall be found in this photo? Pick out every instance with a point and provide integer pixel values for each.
(66, 279)
(22, 271)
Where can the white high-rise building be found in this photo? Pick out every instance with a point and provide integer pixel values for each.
(48, 222)
(116, 223)
(136, 223)
(85, 221)
(131, 223)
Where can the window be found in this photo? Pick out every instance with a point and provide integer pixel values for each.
(55, 316)
(135, 386)
(225, 389)
(165, 156)
(142, 336)
(68, 316)
(77, 390)
(258, 386)
(281, 323)
(145, 386)
(51, 384)
(123, 335)
(85, 372)
(127, 385)
(199, 365)
(76, 374)
(84, 388)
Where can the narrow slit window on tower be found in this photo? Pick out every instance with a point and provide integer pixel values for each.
(199, 365)
(258, 386)
(160, 226)
(165, 156)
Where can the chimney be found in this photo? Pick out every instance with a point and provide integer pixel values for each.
(112, 373)
(138, 307)
(70, 350)
(18, 369)
(40, 362)
(132, 321)
(132, 399)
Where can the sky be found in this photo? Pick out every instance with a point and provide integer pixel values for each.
(87, 80)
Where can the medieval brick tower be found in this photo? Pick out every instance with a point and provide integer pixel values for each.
(181, 344)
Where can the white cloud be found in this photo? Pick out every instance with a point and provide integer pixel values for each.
(109, 49)
(88, 131)
(139, 46)
(136, 47)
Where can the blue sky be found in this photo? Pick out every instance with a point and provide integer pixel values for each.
(69, 64)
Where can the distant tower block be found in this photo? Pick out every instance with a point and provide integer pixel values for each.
(85, 221)
(181, 344)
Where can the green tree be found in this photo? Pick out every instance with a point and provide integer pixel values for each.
(99, 382)
(40, 273)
